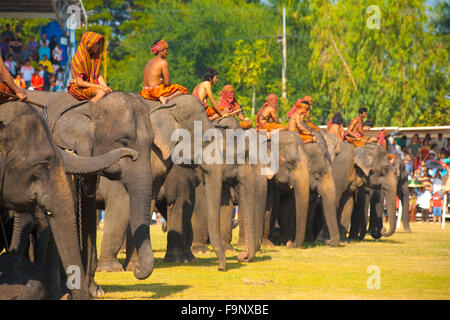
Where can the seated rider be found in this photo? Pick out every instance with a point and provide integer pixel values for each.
(336, 126)
(203, 91)
(228, 103)
(87, 83)
(157, 79)
(8, 85)
(267, 119)
(355, 132)
(297, 119)
(308, 122)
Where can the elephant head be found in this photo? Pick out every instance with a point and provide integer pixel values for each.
(33, 178)
(375, 171)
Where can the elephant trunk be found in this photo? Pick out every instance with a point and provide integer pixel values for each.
(327, 191)
(83, 165)
(405, 207)
(63, 225)
(23, 224)
(138, 182)
(389, 187)
(247, 211)
(213, 194)
(300, 184)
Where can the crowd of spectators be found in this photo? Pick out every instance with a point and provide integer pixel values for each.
(33, 65)
(418, 155)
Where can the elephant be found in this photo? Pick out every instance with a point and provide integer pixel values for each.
(374, 198)
(241, 185)
(184, 115)
(21, 279)
(316, 176)
(119, 120)
(367, 166)
(34, 180)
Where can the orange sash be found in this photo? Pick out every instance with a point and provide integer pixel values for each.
(269, 126)
(4, 87)
(81, 93)
(162, 91)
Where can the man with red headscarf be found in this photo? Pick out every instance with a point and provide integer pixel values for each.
(298, 117)
(227, 102)
(157, 79)
(87, 83)
(267, 119)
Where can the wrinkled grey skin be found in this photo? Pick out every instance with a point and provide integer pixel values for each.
(375, 198)
(116, 121)
(317, 172)
(357, 167)
(180, 113)
(241, 186)
(34, 181)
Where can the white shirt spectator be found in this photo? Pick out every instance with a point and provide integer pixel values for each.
(57, 54)
(27, 72)
(11, 66)
(424, 200)
(437, 185)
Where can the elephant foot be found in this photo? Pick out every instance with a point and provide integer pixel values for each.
(95, 291)
(175, 255)
(132, 264)
(199, 248)
(407, 230)
(332, 243)
(244, 257)
(109, 265)
(345, 239)
(241, 242)
(322, 237)
(267, 243)
(228, 247)
(190, 257)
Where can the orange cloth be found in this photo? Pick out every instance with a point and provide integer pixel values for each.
(305, 136)
(37, 81)
(86, 68)
(355, 142)
(269, 126)
(4, 87)
(20, 82)
(246, 124)
(312, 126)
(162, 91)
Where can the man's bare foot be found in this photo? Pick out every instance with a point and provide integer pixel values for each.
(163, 100)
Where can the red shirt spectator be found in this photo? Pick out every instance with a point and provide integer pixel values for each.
(37, 82)
(436, 201)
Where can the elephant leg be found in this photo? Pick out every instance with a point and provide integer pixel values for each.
(241, 241)
(285, 218)
(376, 214)
(117, 219)
(275, 234)
(346, 214)
(404, 197)
(313, 203)
(54, 271)
(357, 218)
(365, 217)
(226, 220)
(199, 227)
(268, 221)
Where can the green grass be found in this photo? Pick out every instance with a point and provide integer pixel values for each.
(413, 266)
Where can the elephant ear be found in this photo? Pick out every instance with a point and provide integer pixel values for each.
(163, 126)
(363, 160)
(3, 134)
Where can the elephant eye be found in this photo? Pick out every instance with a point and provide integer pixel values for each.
(291, 165)
(385, 171)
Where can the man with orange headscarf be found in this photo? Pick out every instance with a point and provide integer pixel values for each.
(298, 117)
(228, 103)
(267, 119)
(87, 83)
(157, 79)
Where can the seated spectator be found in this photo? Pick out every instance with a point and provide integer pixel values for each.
(37, 82)
(425, 149)
(57, 54)
(440, 141)
(52, 83)
(27, 72)
(424, 203)
(41, 70)
(11, 65)
(408, 163)
(46, 63)
(20, 82)
(46, 77)
(414, 146)
(30, 49)
(44, 50)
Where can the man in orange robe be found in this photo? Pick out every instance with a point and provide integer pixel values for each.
(355, 132)
(297, 116)
(157, 78)
(267, 119)
(203, 91)
(228, 103)
(87, 83)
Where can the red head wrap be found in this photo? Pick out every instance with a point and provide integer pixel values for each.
(82, 65)
(161, 45)
(226, 100)
(272, 101)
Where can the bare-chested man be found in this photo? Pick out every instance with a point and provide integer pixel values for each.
(336, 126)
(267, 118)
(8, 85)
(203, 91)
(298, 116)
(157, 79)
(355, 132)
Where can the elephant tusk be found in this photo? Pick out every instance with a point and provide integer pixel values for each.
(49, 213)
(291, 187)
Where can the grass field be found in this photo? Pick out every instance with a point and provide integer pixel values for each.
(412, 266)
